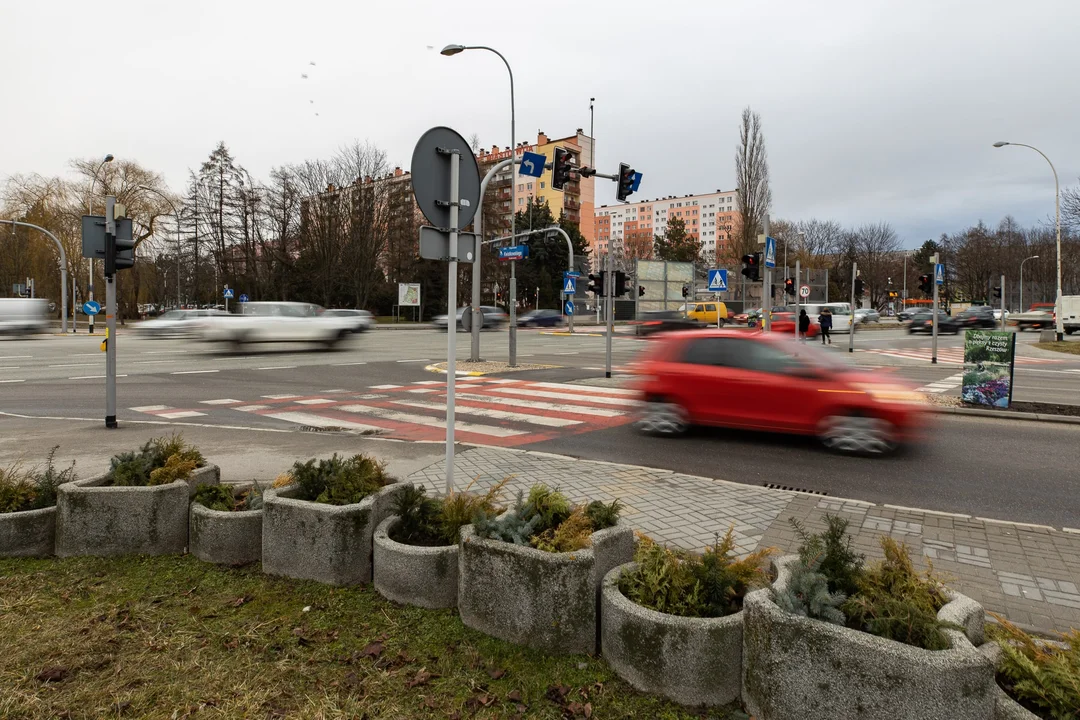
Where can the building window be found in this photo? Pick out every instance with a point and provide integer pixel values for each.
(521, 187)
(521, 201)
(543, 185)
(529, 186)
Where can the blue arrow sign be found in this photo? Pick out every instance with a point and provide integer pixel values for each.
(570, 285)
(243, 298)
(568, 308)
(939, 274)
(91, 308)
(770, 252)
(637, 182)
(228, 293)
(514, 252)
(718, 281)
(532, 164)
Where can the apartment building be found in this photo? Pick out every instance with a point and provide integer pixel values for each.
(628, 229)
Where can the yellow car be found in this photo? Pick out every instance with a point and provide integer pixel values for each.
(710, 313)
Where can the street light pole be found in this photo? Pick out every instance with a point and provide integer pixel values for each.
(90, 211)
(1033, 257)
(1059, 320)
(177, 214)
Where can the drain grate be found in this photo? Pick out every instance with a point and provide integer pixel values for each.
(335, 429)
(774, 486)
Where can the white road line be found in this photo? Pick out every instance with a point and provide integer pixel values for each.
(584, 388)
(421, 391)
(570, 352)
(496, 414)
(540, 405)
(565, 396)
(251, 408)
(192, 372)
(164, 352)
(416, 360)
(155, 362)
(429, 382)
(10, 367)
(429, 421)
(77, 365)
(280, 397)
(383, 387)
(223, 401)
(336, 390)
(15, 381)
(320, 421)
(92, 377)
(149, 408)
(180, 414)
(278, 367)
(314, 401)
(503, 381)
(16, 357)
(245, 357)
(347, 364)
(85, 354)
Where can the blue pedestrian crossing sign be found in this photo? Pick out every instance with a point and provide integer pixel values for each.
(532, 164)
(228, 293)
(770, 252)
(568, 308)
(718, 281)
(939, 274)
(569, 285)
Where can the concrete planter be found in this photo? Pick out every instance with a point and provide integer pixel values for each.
(547, 601)
(92, 519)
(797, 668)
(412, 574)
(225, 537)
(328, 543)
(1005, 708)
(693, 661)
(30, 533)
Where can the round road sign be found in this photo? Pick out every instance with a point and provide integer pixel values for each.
(431, 177)
(804, 291)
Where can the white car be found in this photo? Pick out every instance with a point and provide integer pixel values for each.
(997, 314)
(266, 322)
(362, 319)
(23, 316)
(176, 323)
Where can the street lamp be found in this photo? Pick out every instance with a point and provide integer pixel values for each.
(177, 214)
(451, 50)
(1057, 219)
(90, 211)
(1033, 257)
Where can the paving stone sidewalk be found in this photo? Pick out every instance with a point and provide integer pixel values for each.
(1027, 573)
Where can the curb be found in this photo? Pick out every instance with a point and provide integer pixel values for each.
(458, 373)
(1009, 415)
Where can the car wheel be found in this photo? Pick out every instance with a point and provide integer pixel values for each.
(331, 342)
(663, 418)
(911, 331)
(857, 434)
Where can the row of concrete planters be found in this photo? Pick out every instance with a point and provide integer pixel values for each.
(413, 574)
(797, 668)
(548, 601)
(95, 519)
(693, 661)
(225, 537)
(314, 541)
(1005, 708)
(30, 533)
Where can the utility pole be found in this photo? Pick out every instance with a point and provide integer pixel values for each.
(1002, 301)
(609, 309)
(451, 314)
(851, 327)
(110, 312)
(766, 284)
(934, 329)
(798, 281)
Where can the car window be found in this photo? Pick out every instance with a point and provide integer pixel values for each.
(739, 354)
(710, 308)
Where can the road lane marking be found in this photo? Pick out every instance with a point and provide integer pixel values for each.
(540, 405)
(149, 408)
(155, 362)
(286, 396)
(76, 365)
(429, 382)
(429, 421)
(496, 414)
(383, 387)
(14, 381)
(164, 352)
(421, 391)
(319, 421)
(252, 408)
(584, 388)
(350, 363)
(565, 396)
(192, 372)
(16, 357)
(180, 414)
(10, 367)
(416, 360)
(92, 377)
(314, 401)
(223, 401)
(278, 367)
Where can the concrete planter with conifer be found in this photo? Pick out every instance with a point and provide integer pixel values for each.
(225, 537)
(418, 575)
(1005, 708)
(798, 668)
(28, 533)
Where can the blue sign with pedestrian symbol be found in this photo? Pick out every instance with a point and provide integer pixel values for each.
(532, 164)
(770, 252)
(243, 298)
(228, 293)
(570, 285)
(91, 308)
(939, 274)
(718, 281)
(568, 308)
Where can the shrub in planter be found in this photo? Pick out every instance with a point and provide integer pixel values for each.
(1039, 677)
(225, 524)
(139, 506)
(319, 519)
(28, 508)
(416, 551)
(532, 575)
(671, 622)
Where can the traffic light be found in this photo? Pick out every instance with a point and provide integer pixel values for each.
(596, 283)
(789, 287)
(641, 291)
(621, 287)
(924, 285)
(859, 287)
(997, 292)
(751, 264)
(626, 182)
(119, 249)
(562, 166)
(686, 291)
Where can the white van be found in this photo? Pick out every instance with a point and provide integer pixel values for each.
(23, 316)
(841, 314)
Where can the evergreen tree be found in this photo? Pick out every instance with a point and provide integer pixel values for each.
(676, 245)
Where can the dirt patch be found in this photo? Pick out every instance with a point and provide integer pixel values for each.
(1072, 348)
(1046, 408)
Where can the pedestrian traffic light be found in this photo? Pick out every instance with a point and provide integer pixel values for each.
(924, 285)
(686, 291)
(562, 166)
(621, 287)
(997, 292)
(625, 182)
(750, 266)
(789, 287)
(859, 287)
(641, 291)
(596, 283)
(119, 248)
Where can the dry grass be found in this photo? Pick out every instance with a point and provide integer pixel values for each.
(171, 637)
(1072, 348)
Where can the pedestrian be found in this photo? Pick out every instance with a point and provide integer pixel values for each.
(804, 324)
(825, 321)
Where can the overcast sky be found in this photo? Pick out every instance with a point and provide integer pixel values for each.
(872, 109)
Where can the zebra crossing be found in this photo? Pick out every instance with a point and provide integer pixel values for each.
(952, 355)
(488, 411)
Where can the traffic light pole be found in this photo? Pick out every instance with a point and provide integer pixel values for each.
(851, 326)
(609, 309)
(110, 313)
(451, 313)
(797, 282)
(766, 284)
(934, 328)
(1003, 301)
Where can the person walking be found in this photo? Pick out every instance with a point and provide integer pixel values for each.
(825, 321)
(804, 324)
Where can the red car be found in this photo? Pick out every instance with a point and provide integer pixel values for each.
(785, 323)
(760, 381)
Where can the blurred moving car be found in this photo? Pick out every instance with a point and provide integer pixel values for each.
(906, 314)
(923, 321)
(744, 317)
(362, 319)
(176, 323)
(785, 323)
(494, 318)
(867, 315)
(23, 316)
(710, 313)
(997, 315)
(977, 316)
(1034, 319)
(841, 312)
(657, 321)
(264, 322)
(761, 381)
(540, 318)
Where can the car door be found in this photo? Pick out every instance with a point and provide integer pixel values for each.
(785, 390)
(719, 389)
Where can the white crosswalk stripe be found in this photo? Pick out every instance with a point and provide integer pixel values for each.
(488, 412)
(541, 405)
(323, 422)
(579, 397)
(396, 416)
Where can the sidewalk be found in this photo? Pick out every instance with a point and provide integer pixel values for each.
(1028, 573)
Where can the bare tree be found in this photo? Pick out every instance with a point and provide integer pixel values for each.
(1070, 208)
(877, 251)
(752, 174)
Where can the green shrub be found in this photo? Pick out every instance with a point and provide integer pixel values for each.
(1043, 677)
(16, 490)
(677, 582)
(461, 508)
(339, 481)
(839, 562)
(808, 595)
(170, 455)
(573, 533)
(539, 521)
(602, 516)
(32, 489)
(549, 504)
(436, 522)
(216, 497)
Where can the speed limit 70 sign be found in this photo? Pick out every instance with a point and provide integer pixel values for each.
(804, 291)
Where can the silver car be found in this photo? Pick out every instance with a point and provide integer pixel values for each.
(494, 318)
(362, 319)
(176, 323)
(867, 315)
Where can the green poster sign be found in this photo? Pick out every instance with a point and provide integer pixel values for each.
(989, 357)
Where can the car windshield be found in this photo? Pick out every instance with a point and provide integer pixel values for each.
(173, 315)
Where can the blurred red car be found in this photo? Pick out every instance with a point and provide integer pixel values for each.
(784, 322)
(766, 381)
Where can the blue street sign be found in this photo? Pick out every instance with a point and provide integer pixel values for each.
(243, 298)
(91, 308)
(939, 274)
(637, 182)
(532, 164)
(568, 308)
(514, 252)
(228, 293)
(571, 273)
(718, 281)
(569, 285)
(770, 252)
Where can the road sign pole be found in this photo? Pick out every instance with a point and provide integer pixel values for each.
(513, 314)
(451, 317)
(1003, 301)
(934, 328)
(798, 280)
(766, 283)
(851, 326)
(609, 309)
(110, 317)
